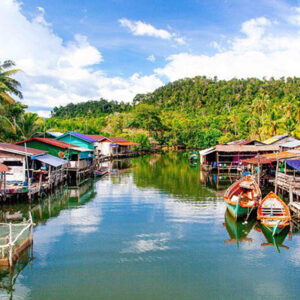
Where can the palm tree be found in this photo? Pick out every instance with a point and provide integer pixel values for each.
(8, 85)
(28, 125)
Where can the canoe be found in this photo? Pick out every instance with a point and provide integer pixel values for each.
(100, 172)
(237, 229)
(273, 214)
(242, 197)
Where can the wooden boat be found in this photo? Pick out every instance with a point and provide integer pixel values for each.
(273, 213)
(100, 172)
(193, 156)
(242, 197)
(238, 230)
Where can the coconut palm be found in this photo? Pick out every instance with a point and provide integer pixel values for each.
(28, 125)
(8, 85)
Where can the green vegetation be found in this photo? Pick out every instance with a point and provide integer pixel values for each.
(200, 112)
(194, 112)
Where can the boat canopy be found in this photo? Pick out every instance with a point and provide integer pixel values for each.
(50, 160)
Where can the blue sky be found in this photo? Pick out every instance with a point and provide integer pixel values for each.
(77, 50)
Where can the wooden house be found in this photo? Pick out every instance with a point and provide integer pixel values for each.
(229, 157)
(78, 139)
(113, 146)
(79, 159)
(29, 169)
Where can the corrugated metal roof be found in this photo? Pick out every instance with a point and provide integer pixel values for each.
(246, 148)
(292, 144)
(20, 149)
(280, 155)
(271, 157)
(207, 151)
(274, 139)
(83, 136)
(50, 141)
(96, 137)
(50, 160)
(3, 168)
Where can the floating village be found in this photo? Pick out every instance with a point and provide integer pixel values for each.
(264, 177)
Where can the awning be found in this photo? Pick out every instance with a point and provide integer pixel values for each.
(50, 160)
(207, 151)
(294, 163)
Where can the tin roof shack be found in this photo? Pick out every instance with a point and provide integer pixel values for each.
(26, 170)
(113, 146)
(229, 157)
(266, 166)
(80, 159)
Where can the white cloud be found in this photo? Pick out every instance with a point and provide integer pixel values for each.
(57, 72)
(257, 53)
(151, 58)
(140, 28)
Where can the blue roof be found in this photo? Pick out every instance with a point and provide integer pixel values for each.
(50, 160)
(83, 136)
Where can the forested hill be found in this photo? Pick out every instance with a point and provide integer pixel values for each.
(92, 108)
(195, 112)
(212, 95)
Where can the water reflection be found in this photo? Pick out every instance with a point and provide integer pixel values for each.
(9, 276)
(239, 230)
(153, 231)
(277, 240)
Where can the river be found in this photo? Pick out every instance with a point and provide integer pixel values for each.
(155, 228)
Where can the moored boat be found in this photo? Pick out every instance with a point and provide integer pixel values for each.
(242, 197)
(100, 172)
(193, 156)
(273, 214)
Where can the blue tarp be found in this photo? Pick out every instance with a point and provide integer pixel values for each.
(294, 163)
(50, 160)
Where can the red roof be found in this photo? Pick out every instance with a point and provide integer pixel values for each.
(96, 137)
(50, 141)
(120, 141)
(3, 168)
(16, 148)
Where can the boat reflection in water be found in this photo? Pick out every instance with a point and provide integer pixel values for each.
(238, 230)
(276, 240)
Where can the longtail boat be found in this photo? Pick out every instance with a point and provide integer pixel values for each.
(238, 230)
(273, 213)
(242, 197)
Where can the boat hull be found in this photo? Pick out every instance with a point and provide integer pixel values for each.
(237, 212)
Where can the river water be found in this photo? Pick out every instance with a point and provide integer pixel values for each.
(156, 228)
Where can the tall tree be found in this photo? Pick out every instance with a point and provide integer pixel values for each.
(8, 85)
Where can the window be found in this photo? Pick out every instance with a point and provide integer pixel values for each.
(13, 163)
